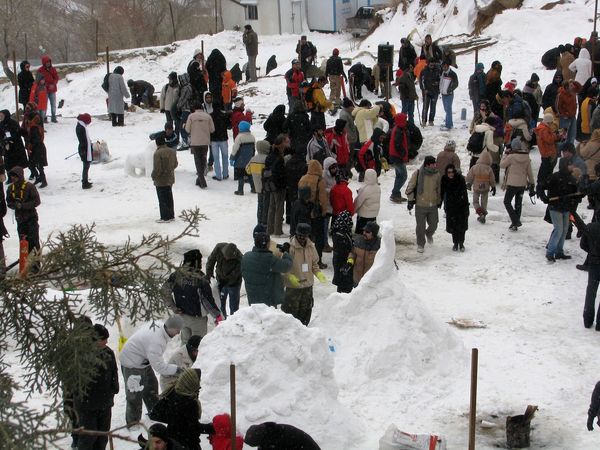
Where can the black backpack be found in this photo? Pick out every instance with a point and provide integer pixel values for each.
(475, 144)
(415, 140)
(105, 82)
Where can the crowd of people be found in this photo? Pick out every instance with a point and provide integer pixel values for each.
(300, 174)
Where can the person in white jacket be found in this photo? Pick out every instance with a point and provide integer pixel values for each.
(142, 354)
(367, 201)
(583, 66)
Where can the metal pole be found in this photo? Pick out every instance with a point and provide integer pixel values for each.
(232, 399)
(16, 85)
(172, 22)
(473, 406)
(107, 61)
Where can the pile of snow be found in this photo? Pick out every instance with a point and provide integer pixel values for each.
(284, 373)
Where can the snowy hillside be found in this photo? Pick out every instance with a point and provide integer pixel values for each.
(396, 359)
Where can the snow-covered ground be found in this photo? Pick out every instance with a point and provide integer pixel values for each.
(396, 360)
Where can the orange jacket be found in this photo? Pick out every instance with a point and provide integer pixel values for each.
(39, 96)
(229, 88)
(546, 140)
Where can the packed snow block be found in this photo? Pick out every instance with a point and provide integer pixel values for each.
(394, 439)
(390, 349)
(284, 373)
(140, 164)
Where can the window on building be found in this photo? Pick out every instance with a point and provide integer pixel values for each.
(251, 12)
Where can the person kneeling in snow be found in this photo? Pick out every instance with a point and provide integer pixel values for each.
(299, 282)
(279, 436)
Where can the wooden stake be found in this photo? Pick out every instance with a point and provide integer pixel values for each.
(172, 22)
(97, 48)
(473, 407)
(16, 85)
(233, 411)
(476, 55)
(107, 61)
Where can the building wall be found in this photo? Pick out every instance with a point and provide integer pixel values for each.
(293, 16)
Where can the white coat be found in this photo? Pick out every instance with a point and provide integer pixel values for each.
(146, 347)
(368, 199)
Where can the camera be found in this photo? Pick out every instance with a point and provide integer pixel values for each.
(283, 248)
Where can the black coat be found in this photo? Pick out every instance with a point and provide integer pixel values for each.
(559, 187)
(342, 246)
(295, 168)
(82, 141)
(196, 79)
(36, 144)
(334, 66)
(10, 136)
(104, 387)
(430, 80)
(276, 165)
(297, 126)
(275, 436)
(183, 423)
(25, 82)
(222, 121)
(274, 123)
(215, 66)
(300, 214)
(590, 242)
(456, 203)
(406, 55)
(549, 96)
(3, 211)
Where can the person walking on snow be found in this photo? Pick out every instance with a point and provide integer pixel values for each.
(517, 177)
(163, 176)
(448, 83)
(429, 82)
(481, 180)
(244, 148)
(23, 198)
(250, 39)
(404, 137)
(456, 205)
(367, 201)
(424, 192)
(293, 78)
(117, 91)
(334, 70)
(25, 81)
(199, 126)
(50, 75)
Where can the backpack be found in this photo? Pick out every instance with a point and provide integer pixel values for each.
(476, 143)
(105, 82)
(308, 97)
(415, 140)
(515, 109)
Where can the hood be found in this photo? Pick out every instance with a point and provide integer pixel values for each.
(184, 79)
(263, 147)
(401, 120)
(315, 168)
(279, 110)
(377, 132)
(119, 70)
(6, 113)
(483, 127)
(329, 161)
(370, 177)
(18, 171)
(584, 54)
(485, 158)
(222, 425)
(46, 59)
(205, 94)
(173, 76)
(23, 64)
(226, 76)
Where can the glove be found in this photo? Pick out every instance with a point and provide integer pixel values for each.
(410, 205)
(384, 164)
(219, 319)
(321, 277)
(493, 191)
(469, 186)
(590, 423)
(294, 280)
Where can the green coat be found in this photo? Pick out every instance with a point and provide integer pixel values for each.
(228, 271)
(262, 276)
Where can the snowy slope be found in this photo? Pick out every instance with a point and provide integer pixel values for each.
(396, 359)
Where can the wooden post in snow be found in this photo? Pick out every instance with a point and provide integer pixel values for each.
(173, 22)
(473, 406)
(232, 400)
(14, 55)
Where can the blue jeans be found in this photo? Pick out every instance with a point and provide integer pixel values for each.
(401, 176)
(408, 107)
(560, 221)
(447, 102)
(429, 102)
(184, 134)
(221, 161)
(233, 292)
(571, 126)
(52, 100)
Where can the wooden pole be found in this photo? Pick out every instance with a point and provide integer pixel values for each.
(14, 55)
(172, 22)
(97, 47)
(233, 410)
(476, 55)
(388, 86)
(107, 61)
(473, 406)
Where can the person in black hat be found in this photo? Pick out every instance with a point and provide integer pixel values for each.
(158, 439)
(362, 257)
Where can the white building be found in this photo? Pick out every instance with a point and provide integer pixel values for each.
(290, 16)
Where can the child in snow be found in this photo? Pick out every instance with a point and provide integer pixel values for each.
(228, 90)
(482, 180)
(39, 96)
(242, 152)
(221, 439)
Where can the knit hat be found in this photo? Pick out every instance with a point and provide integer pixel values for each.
(534, 77)
(347, 103)
(450, 145)
(260, 228)
(197, 52)
(303, 229)
(85, 118)
(261, 240)
(340, 124)
(548, 118)
(101, 331)
(515, 144)
(336, 52)
(188, 383)
(192, 258)
(244, 126)
(263, 147)
(158, 430)
(174, 323)
(295, 61)
(372, 227)
(428, 160)
(568, 147)
(229, 250)
(479, 66)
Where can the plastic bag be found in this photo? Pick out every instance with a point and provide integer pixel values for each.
(394, 439)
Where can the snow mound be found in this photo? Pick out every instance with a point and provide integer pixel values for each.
(284, 373)
(388, 343)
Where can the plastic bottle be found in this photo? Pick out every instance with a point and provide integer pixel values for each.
(331, 346)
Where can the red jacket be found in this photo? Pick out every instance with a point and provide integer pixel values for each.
(546, 140)
(236, 117)
(221, 440)
(338, 143)
(340, 197)
(399, 140)
(50, 74)
(566, 102)
(39, 97)
(366, 157)
(293, 79)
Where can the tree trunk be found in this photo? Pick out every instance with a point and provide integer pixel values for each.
(4, 59)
